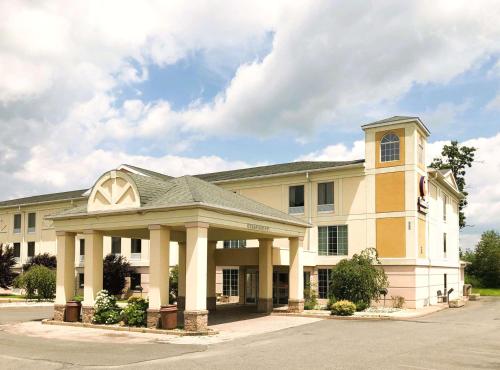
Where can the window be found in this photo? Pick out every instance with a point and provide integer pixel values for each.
(235, 244)
(31, 222)
(31, 249)
(116, 245)
(445, 201)
(389, 148)
(17, 250)
(17, 223)
(444, 244)
(135, 249)
(230, 282)
(82, 250)
(332, 240)
(81, 279)
(296, 199)
(324, 280)
(307, 279)
(325, 197)
(421, 153)
(135, 281)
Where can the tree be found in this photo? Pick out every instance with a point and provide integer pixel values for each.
(174, 284)
(39, 283)
(7, 263)
(457, 158)
(115, 269)
(485, 260)
(44, 259)
(359, 279)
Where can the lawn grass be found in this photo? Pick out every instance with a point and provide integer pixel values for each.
(12, 296)
(487, 291)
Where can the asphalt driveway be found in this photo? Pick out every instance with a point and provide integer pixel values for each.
(463, 338)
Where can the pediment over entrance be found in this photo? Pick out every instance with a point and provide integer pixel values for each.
(113, 191)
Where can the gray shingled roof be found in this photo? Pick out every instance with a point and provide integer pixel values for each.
(274, 169)
(397, 119)
(145, 171)
(67, 195)
(192, 191)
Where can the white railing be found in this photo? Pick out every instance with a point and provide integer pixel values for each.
(82, 258)
(296, 210)
(135, 256)
(326, 207)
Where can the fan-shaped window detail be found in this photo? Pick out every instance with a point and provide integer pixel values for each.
(114, 190)
(389, 148)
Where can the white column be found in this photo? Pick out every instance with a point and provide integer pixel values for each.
(296, 276)
(65, 281)
(159, 266)
(211, 276)
(265, 275)
(181, 299)
(195, 315)
(92, 267)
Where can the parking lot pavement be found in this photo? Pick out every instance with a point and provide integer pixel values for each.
(463, 338)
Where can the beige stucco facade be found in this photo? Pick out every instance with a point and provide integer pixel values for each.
(381, 204)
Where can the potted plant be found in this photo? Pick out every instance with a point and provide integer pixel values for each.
(73, 309)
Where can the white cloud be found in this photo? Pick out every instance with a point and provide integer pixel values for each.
(337, 152)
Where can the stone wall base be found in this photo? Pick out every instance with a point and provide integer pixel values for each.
(59, 312)
(153, 318)
(211, 303)
(295, 305)
(87, 314)
(265, 305)
(195, 320)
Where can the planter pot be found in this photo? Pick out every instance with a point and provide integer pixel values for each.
(168, 316)
(73, 311)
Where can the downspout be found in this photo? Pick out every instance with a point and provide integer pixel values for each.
(309, 209)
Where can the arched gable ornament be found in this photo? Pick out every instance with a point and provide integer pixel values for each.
(113, 191)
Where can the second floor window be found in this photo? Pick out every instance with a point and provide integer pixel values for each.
(82, 250)
(332, 240)
(235, 243)
(135, 248)
(17, 223)
(445, 201)
(31, 249)
(116, 245)
(296, 199)
(31, 222)
(325, 197)
(389, 148)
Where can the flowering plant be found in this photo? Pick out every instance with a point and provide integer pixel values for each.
(106, 311)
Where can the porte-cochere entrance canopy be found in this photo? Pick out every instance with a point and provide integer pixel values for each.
(187, 210)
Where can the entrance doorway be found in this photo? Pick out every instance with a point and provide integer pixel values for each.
(251, 286)
(280, 287)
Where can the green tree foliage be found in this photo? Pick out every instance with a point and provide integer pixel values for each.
(310, 297)
(7, 263)
(174, 284)
(359, 279)
(44, 259)
(457, 158)
(39, 283)
(115, 269)
(484, 261)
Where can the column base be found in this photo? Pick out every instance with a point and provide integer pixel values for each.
(295, 305)
(196, 320)
(59, 312)
(265, 305)
(211, 303)
(87, 314)
(153, 318)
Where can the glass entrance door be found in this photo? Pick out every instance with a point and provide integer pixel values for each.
(251, 286)
(280, 287)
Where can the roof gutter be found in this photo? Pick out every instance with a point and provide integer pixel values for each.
(42, 202)
(355, 165)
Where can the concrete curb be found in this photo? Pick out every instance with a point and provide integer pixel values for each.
(178, 332)
(366, 318)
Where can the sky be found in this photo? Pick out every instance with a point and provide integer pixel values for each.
(192, 87)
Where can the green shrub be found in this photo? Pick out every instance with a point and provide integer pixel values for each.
(78, 298)
(361, 306)
(331, 301)
(135, 313)
(39, 283)
(106, 311)
(359, 279)
(7, 263)
(343, 308)
(310, 297)
(173, 284)
(398, 301)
